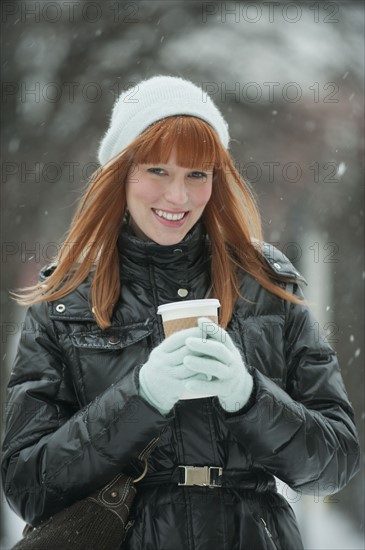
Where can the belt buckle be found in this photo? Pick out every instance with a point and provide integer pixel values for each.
(200, 475)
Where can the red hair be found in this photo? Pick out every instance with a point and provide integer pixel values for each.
(231, 219)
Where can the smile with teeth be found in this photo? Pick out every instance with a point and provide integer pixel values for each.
(169, 215)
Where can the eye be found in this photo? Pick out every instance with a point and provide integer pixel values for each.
(155, 170)
(199, 175)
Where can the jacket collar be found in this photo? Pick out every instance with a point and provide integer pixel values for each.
(133, 250)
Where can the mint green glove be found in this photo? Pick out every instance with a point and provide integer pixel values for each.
(162, 378)
(214, 354)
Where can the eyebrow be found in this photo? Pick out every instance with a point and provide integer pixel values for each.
(162, 165)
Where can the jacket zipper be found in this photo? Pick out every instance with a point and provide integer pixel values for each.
(268, 534)
(130, 524)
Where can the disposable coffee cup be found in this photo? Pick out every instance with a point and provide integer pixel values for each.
(178, 316)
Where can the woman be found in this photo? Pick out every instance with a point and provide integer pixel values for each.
(169, 218)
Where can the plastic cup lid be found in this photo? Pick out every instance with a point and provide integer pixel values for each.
(173, 306)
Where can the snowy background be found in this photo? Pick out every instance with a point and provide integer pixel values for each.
(288, 77)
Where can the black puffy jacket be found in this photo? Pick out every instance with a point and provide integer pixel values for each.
(74, 417)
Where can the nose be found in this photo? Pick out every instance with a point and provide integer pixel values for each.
(176, 193)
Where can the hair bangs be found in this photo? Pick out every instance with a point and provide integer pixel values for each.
(196, 143)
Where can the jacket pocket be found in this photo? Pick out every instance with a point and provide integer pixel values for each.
(266, 533)
(102, 358)
(112, 338)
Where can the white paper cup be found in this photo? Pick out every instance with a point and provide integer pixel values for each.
(178, 316)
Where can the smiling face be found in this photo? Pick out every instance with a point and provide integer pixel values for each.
(166, 200)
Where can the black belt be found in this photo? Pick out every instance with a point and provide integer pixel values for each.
(212, 477)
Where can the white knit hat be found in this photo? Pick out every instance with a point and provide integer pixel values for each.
(152, 100)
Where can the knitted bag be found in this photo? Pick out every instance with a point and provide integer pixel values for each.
(99, 521)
